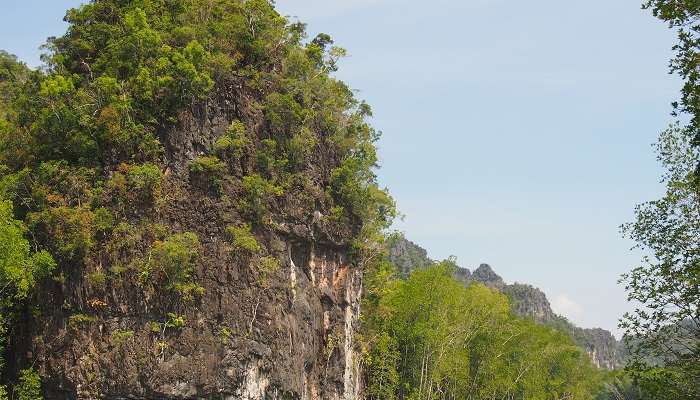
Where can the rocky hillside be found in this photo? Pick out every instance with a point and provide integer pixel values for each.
(525, 300)
(204, 190)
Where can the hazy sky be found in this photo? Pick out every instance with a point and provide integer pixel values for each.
(515, 133)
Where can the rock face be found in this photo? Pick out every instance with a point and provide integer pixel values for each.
(289, 336)
(529, 301)
(525, 300)
(406, 255)
(601, 346)
(484, 274)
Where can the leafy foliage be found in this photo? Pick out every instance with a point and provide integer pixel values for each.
(664, 334)
(432, 337)
(267, 266)
(173, 262)
(684, 17)
(19, 268)
(209, 170)
(20, 272)
(29, 386)
(234, 142)
(258, 194)
(242, 238)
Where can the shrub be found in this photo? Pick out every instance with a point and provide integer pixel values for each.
(70, 231)
(269, 158)
(97, 278)
(104, 220)
(242, 238)
(300, 147)
(173, 261)
(226, 333)
(119, 337)
(208, 169)
(234, 141)
(175, 321)
(79, 319)
(207, 165)
(258, 193)
(267, 266)
(146, 179)
(29, 386)
(136, 182)
(20, 269)
(284, 114)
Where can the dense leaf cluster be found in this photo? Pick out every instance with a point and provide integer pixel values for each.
(432, 337)
(664, 333)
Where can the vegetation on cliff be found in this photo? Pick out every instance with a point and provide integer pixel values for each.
(89, 170)
(166, 140)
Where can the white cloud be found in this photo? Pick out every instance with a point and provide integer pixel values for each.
(563, 305)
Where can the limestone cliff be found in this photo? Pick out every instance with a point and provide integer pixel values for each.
(206, 189)
(242, 339)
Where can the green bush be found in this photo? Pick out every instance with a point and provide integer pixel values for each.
(207, 165)
(300, 147)
(146, 179)
(79, 319)
(104, 220)
(234, 142)
(172, 261)
(20, 269)
(97, 278)
(270, 159)
(242, 238)
(284, 114)
(29, 385)
(119, 337)
(130, 183)
(267, 266)
(258, 194)
(208, 169)
(70, 231)
(175, 321)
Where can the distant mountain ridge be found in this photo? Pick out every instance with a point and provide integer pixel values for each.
(526, 301)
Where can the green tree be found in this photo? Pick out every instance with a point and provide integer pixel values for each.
(664, 334)
(432, 337)
(20, 271)
(684, 17)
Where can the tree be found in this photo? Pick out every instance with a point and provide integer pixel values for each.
(20, 270)
(664, 333)
(432, 337)
(684, 17)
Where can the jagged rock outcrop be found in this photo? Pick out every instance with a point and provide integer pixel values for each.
(485, 274)
(601, 346)
(406, 255)
(525, 300)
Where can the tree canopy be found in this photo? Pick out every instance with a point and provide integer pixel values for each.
(433, 337)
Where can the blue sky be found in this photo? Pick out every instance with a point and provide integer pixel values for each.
(515, 133)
